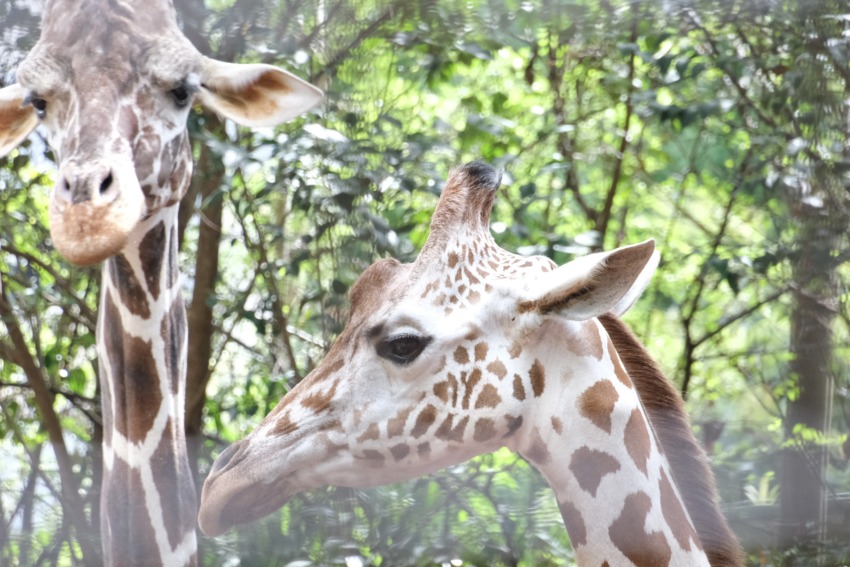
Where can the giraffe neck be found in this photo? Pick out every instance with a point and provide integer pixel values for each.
(148, 500)
(593, 443)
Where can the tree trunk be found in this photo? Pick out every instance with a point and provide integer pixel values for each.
(803, 502)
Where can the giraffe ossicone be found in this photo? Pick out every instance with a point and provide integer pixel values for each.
(471, 348)
(112, 83)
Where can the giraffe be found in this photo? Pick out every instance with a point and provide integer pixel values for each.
(471, 348)
(112, 83)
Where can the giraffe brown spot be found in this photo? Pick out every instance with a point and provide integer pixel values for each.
(137, 394)
(372, 433)
(472, 335)
(133, 295)
(574, 523)
(130, 525)
(497, 367)
(485, 429)
(488, 398)
(474, 298)
(481, 351)
(515, 350)
(319, 401)
(439, 300)
(557, 425)
(284, 426)
(537, 453)
(374, 459)
(519, 388)
(675, 515)
(470, 277)
(461, 355)
(424, 449)
(400, 451)
(173, 332)
(629, 535)
(395, 426)
(441, 390)
(469, 384)
(448, 282)
(453, 387)
(538, 378)
(636, 437)
(587, 342)
(461, 288)
(621, 373)
(151, 255)
(589, 467)
(453, 259)
(175, 485)
(513, 423)
(424, 420)
(597, 402)
(448, 433)
(488, 288)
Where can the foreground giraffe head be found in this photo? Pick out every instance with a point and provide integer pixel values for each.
(112, 83)
(468, 349)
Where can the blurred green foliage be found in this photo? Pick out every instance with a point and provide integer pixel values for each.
(719, 128)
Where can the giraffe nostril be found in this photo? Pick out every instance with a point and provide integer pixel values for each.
(106, 183)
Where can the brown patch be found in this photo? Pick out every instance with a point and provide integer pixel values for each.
(469, 385)
(513, 423)
(173, 330)
(628, 534)
(574, 523)
(597, 402)
(488, 398)
(589, 467)
(515, 350)
(461, 355)
(587, 341)
(151, 253)
(320, 401)
(372, 433)
(424, 420)
(636, 437)
(537, 453)
(453, 259)
(174, 483)
(395, 425)
(284, 426)
(538, 378)
(675, 515)
(423, 450)
(621, 373)
(481, 351)
(485, 429)
(374, 459)
(441, 390)
(519, 388)
(132, 532)
(400, 451)
(474, 298)
(137, 395)
(557, 425)
(133, 295)
(498, 368)
(448, 432)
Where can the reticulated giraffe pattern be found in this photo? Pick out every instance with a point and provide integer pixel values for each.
(472, 348)
(112, 83)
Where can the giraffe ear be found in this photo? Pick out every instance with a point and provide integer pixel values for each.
(16, 120)
(255, 94)
(593, 285)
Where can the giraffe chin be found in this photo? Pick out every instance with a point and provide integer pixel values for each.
(225, 508)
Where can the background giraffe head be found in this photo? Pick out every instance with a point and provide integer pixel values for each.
(113, 85)
(466, 350)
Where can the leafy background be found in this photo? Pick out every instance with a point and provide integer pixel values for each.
(718, 127)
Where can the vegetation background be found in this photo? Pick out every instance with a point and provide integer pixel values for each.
(721, 128)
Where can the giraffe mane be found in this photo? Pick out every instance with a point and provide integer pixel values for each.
(688, 463)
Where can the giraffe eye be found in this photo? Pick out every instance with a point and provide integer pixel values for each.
(38, 104)
(403, 348)
(181, 94)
